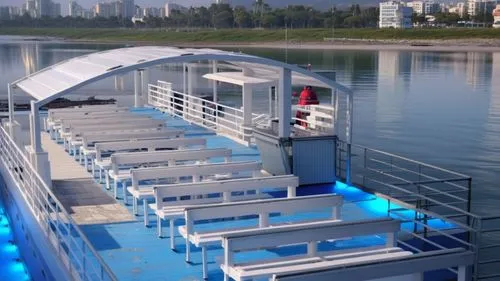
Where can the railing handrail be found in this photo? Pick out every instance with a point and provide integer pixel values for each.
(466, 177)
(60, 206)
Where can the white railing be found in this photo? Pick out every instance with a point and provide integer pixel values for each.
(72, 247)
(205, 113)
(319, 118)
(229, 120)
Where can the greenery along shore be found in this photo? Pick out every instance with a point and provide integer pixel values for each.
(251, 35)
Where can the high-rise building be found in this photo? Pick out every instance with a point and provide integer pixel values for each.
(43, 8)
(55, 9)
(30, 8)
(4, 13)
(431, 8)
(222, 2)
(103, 10)
(394, 14)
(151, 12)
(417, 6)
(172, 6)
(128, 8)
(460, 9)
(74, 10)
(479, 7)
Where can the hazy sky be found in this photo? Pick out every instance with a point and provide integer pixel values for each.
(88, 3)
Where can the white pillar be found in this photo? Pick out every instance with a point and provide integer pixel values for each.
(276, 102)
(285, 102)
(35, 128)
(137, 88)
(145, 86)
(10, 96)
(270, 102)
(348, 135)
(247, 111)
(214, 82)
(190, 79)
(184, 78)
(247, 104)
(335, 104)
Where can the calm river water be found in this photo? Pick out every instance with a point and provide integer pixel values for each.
(442, 108)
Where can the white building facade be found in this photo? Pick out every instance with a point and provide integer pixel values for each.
(394, 14)
(479, 7)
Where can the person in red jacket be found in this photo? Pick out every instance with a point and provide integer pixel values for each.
(307, 97)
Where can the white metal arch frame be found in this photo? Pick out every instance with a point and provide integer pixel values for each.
(65, 77)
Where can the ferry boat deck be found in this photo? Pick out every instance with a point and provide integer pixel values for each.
(133, 252)
(379, 216)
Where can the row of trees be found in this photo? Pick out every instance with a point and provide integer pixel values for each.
(453, 19)
(224, 16)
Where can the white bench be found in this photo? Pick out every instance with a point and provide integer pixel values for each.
(197, 173)
(67, 124)
(104, 164)
(411, 266)
(157, 158)
(89, 140)
(86, 108)
(309, 234)
(54, 119)
(74, 136)
(248, 189)
(64, 130)
(260, 208)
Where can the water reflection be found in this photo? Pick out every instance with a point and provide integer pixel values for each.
(31, 57)
(438, 107)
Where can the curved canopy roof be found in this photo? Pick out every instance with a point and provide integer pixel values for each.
(63, 78)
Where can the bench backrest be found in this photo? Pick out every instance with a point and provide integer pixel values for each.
(103, 128)
(127, 135)
(150, 145)
(265, 238)
(86, 113)
(170, 157)
(69, 123)
(97, 107)
(162, 192)
(90, 116)
(263, 208)
(194, 171)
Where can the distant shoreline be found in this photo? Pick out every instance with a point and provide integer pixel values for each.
(473, 45)
(360, 45)
(445, 40)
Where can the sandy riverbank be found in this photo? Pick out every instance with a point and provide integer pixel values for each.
(477, 45)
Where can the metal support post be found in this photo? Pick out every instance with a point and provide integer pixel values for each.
(285, 102)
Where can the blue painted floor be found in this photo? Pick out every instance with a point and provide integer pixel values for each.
(11, 265)
(134, 252)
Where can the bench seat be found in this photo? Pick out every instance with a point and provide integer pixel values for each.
(207, 238)
(327, 261)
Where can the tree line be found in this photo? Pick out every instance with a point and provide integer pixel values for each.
(261, 15)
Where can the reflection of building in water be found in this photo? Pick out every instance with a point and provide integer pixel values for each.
(391, 89)
(478, 69)
(425, 61)
(494, 109)
(395, 65)
(30, 54)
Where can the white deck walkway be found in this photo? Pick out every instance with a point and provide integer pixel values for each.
(78, 192)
